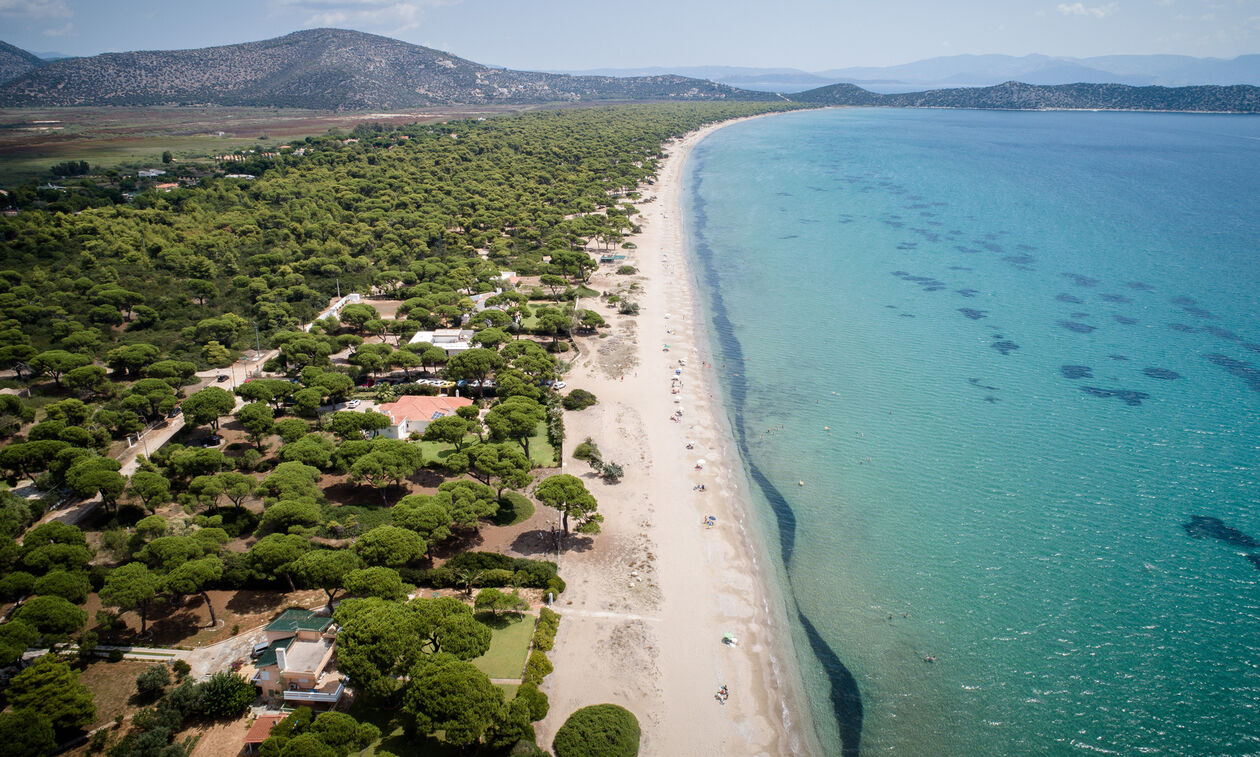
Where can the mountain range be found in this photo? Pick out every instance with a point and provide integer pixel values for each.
(319, 68)
(336, 69)
(979, 71)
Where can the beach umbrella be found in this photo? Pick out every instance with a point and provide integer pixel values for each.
(700, 461)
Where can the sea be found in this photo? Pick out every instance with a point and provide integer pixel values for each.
(994, 378)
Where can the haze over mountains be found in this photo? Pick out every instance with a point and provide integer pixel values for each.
(979, 71)
(335, 69)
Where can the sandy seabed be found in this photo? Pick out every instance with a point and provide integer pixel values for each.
(650, 599)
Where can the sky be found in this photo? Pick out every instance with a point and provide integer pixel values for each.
(812, 35)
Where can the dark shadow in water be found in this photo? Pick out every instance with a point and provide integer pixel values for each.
(846, 696)
(972, 313)
(1200, 526)
(1080, 280)
(1221, 333)
(1130, 397)
(1076, 371)
(1240, 368)
(846, 700)
(1005, 347)
(1161, 373)
(1079, 328)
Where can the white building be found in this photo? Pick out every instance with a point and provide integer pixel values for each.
(451, 341)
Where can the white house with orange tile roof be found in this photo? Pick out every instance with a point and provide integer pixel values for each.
(413, 413)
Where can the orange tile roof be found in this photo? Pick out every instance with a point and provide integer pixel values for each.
(261, 728)
(415, 407)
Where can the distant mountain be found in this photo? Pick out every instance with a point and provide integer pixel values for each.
(988, 70)
(14, 61)
(979, 71)
(1019, 96)
(758, 79)
(326, 68)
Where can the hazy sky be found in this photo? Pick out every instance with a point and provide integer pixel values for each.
(577, 34)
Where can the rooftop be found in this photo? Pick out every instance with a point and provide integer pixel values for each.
(305, 656)
(261, 729)
(415, 407)
(295, 620)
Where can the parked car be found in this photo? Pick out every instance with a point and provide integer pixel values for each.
(353, 403)
(559, 385)
(221, 378)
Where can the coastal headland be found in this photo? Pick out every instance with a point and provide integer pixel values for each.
(648, 610)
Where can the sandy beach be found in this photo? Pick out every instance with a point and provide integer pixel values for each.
(650, 599)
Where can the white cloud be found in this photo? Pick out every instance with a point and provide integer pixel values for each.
(378, 15)
(64, 30)
(35, 8)
(1080, 9)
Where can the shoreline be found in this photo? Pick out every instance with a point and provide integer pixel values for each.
(650, 600)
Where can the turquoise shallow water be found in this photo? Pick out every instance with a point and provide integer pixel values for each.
(1032, 336)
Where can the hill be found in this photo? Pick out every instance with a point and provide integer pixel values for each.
(327, 69)
(14, 61)
(1019, 96)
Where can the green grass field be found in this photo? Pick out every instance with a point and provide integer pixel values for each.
(509, 646)
(541, 453)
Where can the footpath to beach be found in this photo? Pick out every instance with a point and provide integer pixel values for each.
(650, 599)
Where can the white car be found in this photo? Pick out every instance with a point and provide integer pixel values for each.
(353, 403)
(559, 385)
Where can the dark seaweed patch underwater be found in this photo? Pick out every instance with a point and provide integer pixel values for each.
(1130, 397)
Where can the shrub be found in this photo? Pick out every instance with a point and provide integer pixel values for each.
(601, 730)
(225, 695)
(545, 631)
(587, 451)
(578, 399)
(627, 270)
(152, 683)
(115, 655)
(611, 472)
(537, 701)
(537, 668)
(628, 308)
(181, 669)
(495, 577)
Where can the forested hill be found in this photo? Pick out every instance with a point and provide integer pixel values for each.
(1018, 96)
(14, 61)
(326, 69)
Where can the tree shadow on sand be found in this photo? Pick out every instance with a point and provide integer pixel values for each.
(457, 543)
(541, 542)
(248, 602)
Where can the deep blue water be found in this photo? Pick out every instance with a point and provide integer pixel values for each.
(1032, 337)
